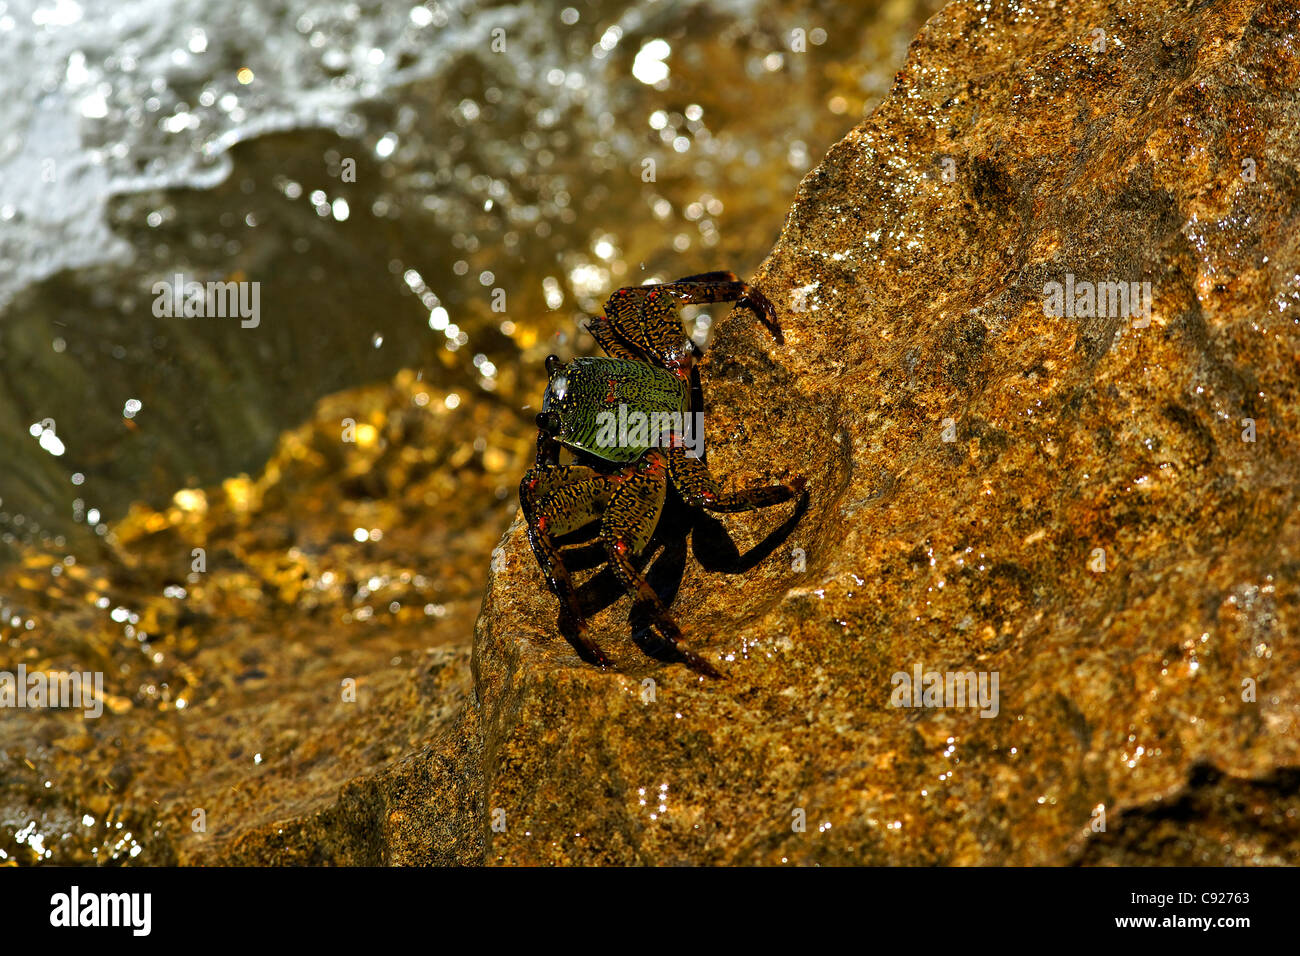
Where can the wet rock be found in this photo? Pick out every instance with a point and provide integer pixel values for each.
(1096, 506)
(275, 651)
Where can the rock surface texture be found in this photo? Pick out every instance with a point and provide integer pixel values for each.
(1069, 501)
(1097, 506)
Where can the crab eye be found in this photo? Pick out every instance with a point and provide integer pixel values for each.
(555, 391)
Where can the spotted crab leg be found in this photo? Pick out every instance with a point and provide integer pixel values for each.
(639, 587)
(726, 287)
(558, 499)
(629, 522)
(697, 486)
(644, 323)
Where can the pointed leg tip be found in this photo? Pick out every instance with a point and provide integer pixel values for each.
(701, 666)
(598, 658)
(762, 307)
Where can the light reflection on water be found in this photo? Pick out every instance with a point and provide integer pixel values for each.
(512, 165)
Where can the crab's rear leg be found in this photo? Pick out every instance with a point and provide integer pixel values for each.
(629, 522)
(558, 499)
(697, 486)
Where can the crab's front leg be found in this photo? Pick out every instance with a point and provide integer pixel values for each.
(645, 323)
(548, 446)
(727, 287)
(558, 499)
(629, 521)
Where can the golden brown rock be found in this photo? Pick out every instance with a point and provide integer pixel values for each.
(974, 460)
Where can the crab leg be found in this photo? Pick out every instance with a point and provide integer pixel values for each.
(557, 499)
(628, 524)
(607, 337)
(697, 486)
(639, 587)
(725, 287)
(644, 322)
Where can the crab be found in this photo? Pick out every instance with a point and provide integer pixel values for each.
(620, 477)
